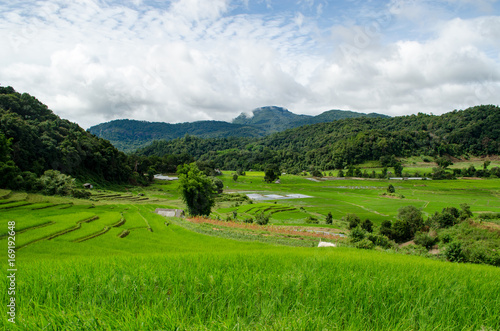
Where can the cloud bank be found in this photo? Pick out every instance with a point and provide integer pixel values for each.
(185, 60)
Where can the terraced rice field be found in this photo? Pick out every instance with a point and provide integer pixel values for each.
(113, 264)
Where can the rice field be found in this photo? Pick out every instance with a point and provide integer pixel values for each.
(76, 271)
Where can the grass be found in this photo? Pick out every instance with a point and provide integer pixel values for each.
(267, 288)
(196, 276)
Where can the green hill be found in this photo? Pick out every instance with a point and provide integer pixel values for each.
(34, 140)
(471, 132)
(129, 135)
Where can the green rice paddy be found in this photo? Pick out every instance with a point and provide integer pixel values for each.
(76, 271)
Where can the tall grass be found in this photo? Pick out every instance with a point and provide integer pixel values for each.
(271, 289)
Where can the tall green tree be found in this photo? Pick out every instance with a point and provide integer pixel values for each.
(271, 173)
(197, 190)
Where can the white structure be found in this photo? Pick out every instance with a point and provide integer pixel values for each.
(161, 177)
(326, 244)
(170, 212)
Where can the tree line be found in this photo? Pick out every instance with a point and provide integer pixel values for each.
(33, 140)
(337, 145)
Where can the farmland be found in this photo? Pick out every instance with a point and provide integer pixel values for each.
(77, 269)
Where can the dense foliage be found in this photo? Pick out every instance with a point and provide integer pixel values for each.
(33, 140)
(129, 135)
(471, 132)
(197, 190)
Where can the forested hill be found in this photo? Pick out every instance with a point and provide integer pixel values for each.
(277, 119)
(129, 135)
(33, 139)
(471, 132)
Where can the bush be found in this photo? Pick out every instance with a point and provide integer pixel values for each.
(446, 238)
(312, 220)
(357, 234)
(391, 189)
(381, 240)
(53, 182)
(386, 229)
(401, 231)
(454, 252)
(248, 220)
(261, 218)
(423, 239)
(316, 173)
(352, 219)
(364, 244)
(367, 225)
(413, 217)
(81, 194)
(329, 218)
(218, 184)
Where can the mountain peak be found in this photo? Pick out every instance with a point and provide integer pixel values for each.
(272, 118)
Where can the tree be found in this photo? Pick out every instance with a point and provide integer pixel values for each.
(412, 216)
(386, 229)
(391, 189)
(55, 183)
(353, 220)
(329, 218)
(262, 218)
(218, 184)
(271, 173)
(443, 162)
(367, 225)
(398, 169)
(197, 190)
(235, 177)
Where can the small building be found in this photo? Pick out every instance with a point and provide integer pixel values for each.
(88, 186)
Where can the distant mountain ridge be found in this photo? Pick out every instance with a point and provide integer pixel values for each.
(129, 135)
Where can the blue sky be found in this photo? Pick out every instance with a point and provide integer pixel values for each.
(185, 60)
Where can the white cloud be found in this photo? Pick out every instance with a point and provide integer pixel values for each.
(93, 62)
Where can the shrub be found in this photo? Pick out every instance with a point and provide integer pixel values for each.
(53, 182)
(454, 252)
(312, 220)
(316, 173)
(262, 218)
(367, 225)
(423, 239)
(357, 234)
(381, 240)
(401, 231)
(329, 218)
(386, 229)
(446, 238)
(413, 216)
(248, 220)
(81, 194)
(364, 244)
(353, 220)
(391, 189)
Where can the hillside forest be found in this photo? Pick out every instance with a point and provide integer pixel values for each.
(33, 140)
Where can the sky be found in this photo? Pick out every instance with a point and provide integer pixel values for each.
(92, 61)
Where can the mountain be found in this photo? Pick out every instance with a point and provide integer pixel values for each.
(33, 139)
(129, 135)
(276, 119)
(335, 145)
(271, 119)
